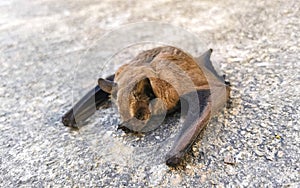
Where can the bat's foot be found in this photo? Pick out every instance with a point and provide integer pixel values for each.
(125, 129)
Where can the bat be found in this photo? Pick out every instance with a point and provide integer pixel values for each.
(155, 83)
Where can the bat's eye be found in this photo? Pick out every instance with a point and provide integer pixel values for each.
(142, 114)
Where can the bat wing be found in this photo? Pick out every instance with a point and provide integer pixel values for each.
(198, 115)
(219, 89)
(204, 61)
(86, 106)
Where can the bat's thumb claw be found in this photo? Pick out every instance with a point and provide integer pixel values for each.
(68, 119)
(68, 123)
(173, 161)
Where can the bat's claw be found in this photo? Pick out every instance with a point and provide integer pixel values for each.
(173, 161)
(124, 128)
(227, 83)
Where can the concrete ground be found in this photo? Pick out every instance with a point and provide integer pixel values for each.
(45, 65)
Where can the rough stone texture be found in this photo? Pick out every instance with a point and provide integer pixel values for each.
(253, 143)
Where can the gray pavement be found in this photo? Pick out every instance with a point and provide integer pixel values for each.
(45, 66)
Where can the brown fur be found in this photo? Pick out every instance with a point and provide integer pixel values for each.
(171, 73)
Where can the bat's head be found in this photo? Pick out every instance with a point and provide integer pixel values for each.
(135, 98)
(137, 104)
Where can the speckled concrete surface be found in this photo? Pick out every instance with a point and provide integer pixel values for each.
(256, 43)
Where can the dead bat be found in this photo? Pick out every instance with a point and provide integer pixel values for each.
(155, 83)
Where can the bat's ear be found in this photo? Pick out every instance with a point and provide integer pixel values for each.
(106, 85)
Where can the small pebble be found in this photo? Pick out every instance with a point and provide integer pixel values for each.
(229, 160)
(280, 154)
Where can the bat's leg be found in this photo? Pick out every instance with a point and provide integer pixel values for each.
(86, 106)
(196, 119)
